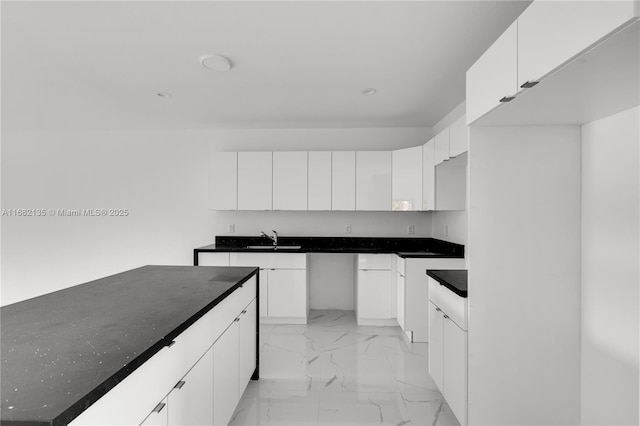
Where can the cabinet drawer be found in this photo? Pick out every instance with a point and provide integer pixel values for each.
(374, 262)
(454, 306)
(213, 259)
(270, 260)
(131, 400)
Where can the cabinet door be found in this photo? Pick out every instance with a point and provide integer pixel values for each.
(442, 146)
(552, 32)
(223, 181)
(455, 369)
(290, 180)
(247, 345)
(406, 179)
(343, 180)
(191, 400)
(458, 137)
(226, 367)
(264, 292)
(374, 294)
(159, 415)
(255, 180)
(379, 261)
(400, 300)
(494, 76)
(287, 293)
(319, 197)
(373, 180)
(428, 176)
(436, 345)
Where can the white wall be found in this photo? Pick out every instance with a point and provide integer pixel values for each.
(524, 276)
(161, 178)
(450, 225)
(610, 270)
(363, 224)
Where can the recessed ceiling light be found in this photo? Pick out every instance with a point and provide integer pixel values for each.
(215, 63)
(369, 91)
(164, 94)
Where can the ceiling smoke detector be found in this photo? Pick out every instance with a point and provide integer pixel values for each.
(215, 63)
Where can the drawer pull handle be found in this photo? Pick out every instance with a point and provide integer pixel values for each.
(244, 311)
(438, 310)
(507, 99)
(529, 84)
(159, 407)
(236, 320)
(173, 342)
(446, 316)
(180, 384)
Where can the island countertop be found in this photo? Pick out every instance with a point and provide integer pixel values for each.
(64, 350)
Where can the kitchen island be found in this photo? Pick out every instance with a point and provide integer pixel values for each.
(64, 351)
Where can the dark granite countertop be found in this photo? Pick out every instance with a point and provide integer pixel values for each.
(62, 351)
(454, 280)
(404, 247)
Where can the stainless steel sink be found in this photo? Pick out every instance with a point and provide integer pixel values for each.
(278, 247)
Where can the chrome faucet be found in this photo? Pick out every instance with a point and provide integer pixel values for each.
(273, 239)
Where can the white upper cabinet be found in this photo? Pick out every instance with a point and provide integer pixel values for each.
(494, 77)
(442, 146)
(290, 180)
(373, 180)
(428, 176)
(319, 194)
(406, 179)
(223, 181)
(255, 180)
(343, 180)
(458, 137)
(552, 32)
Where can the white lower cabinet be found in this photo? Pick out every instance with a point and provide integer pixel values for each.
(226, 370)
(283, 285)
(436, 345)
(412, 289)
(248, 344)
(189, 403)
(197, 380)
(287, 293)
(159, 416)
(448, 352)
(374, 290)
(455, 369)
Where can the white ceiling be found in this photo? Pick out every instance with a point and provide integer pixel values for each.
(84, 65)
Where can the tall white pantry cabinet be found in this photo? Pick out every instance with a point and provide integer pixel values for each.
(558, 66)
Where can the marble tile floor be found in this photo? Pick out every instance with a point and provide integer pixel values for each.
(334, 372)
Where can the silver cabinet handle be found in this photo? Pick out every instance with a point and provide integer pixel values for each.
(446, 316)
(244, 311)
(529, 84)
(158, 407)
(180, 384)
(507, 98)
(236, 320)
(438, 310)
